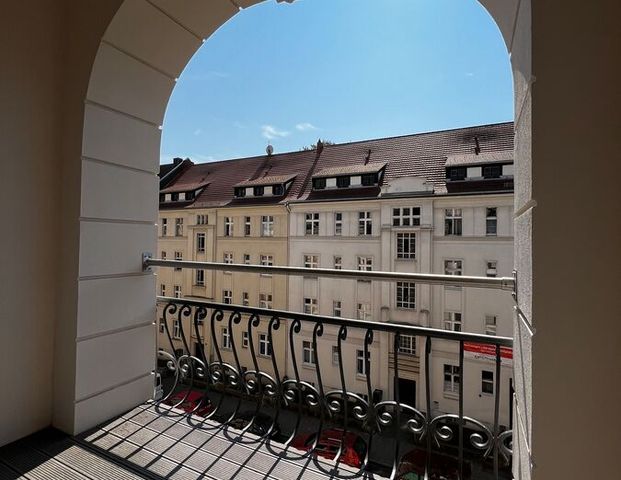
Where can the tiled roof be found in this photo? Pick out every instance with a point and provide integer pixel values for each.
(267, 180)
(178, 187)
(350, 170)
(422, 155)
(480, 159)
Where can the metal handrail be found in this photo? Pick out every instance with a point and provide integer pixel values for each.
(403, 329)
(499, 283)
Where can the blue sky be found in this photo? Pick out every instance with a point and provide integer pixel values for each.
(340, 70)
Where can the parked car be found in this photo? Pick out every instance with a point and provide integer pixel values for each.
(260, 426)
(355, 448)
(443, 467)
(190, 399)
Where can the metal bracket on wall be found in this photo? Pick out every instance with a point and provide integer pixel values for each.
(145, 266)
(514, 293)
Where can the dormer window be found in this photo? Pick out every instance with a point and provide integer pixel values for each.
(174, 197)
(319, 183)
(240, 192)
(368, 179)
(267, 186)
(492, 171)
(162, 196)
(189, 195)
(258, 191)
(278, 190)
(343, 182)
(457, 173)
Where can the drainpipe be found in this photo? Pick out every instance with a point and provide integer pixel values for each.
(288, 209)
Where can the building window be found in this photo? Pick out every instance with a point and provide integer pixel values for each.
(247, 225)
(406, 245)
(487, 382)
(178, 227)
(228, 257)
(308, 354)
(492, 171)
(452, 267)
(451, 378)
(363, 311)
(406, 217)
(178, 257)
(265, 300)
(490, 324)
(162, 325)
(361, 365)
(452, 221)
(491, 222)
(176, 328)
(337, 308)
(201, 219)
(174, 196)
(228, 226)
(319, 183)
(245, 340)
(265, 348)
(200, 242)
(311, 261)
(310, 306)
(226, 338)
(407, 344)
(267, 261)
(343, 182)
(258, 191)
(406, 295)
(490, 269)
(311, 223)
(227, 297)
(177, 291)
(457, 173)
(164, 227)
(163, 255)
(278, 190)
(338, 223)
(365, 263)
(267, 226)
(335, 355)
(245, 299)
(338, 262)
(162, 290)
(200, 278)
(452, 321)
(369, 179)
(365, 224)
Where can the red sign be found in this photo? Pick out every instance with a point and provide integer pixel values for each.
(488, 352)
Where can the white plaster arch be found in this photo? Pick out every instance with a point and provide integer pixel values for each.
(144, 49)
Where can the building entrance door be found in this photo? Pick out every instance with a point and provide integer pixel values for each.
(407, 392)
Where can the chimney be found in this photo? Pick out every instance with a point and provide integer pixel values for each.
(477, 147)
(177, 160)
(319, 146)
(368, 157)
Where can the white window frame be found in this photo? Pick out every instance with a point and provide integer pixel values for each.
(200, 277)
(265, 300)
(363, 311)
(177, 291)
(245, 299)
(365, 264)
(179, 227)
(201, 240)
(453, 222)
(365, 223)
(453, 266)
(226, 338)
(451, 378)
(311, 223)
(406, 295)
(164, 223)
(311, 261)
(491, 221)
(453, 321)
(338, 223)
(227, 297)
(361, 365)
(487, 383)
(265, 349)
(491, 323)
(335, 355)
(267, 225)
(176, 333)
(228, 258)
(491, 268)
(266, 261)
(246, 259)
(162, 289)
(162, 325)
(178, 257)
(308, 354)
(201, 219)
(407, 344)
(337, 308)
(403, 239)
(247, 226)
(406, 216)
(163, 255)
(228, 226)
(245, 339)
(338, 262)
(310, 306)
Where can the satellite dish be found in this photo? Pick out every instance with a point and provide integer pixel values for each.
(269, 149)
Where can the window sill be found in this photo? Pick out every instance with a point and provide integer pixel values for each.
(405, 259)
(406, 309)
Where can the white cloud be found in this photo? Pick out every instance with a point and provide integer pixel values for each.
(270, 132)
(303, 127)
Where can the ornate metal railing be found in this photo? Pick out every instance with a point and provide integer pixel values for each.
(214, 370)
